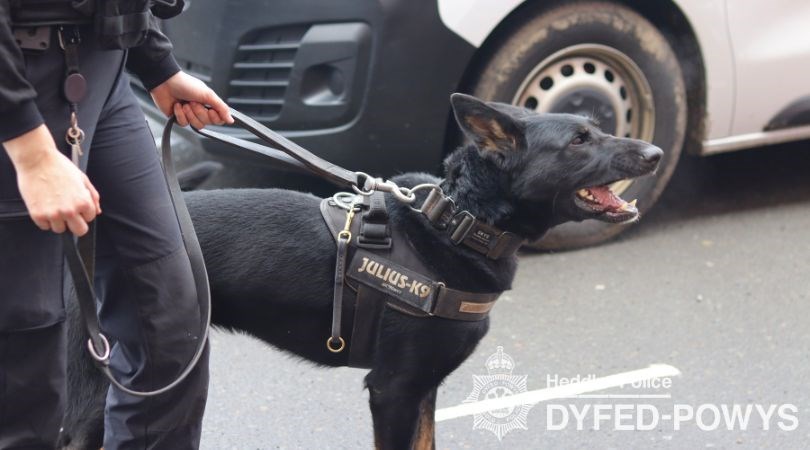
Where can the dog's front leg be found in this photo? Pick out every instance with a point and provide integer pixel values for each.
(425, 438)
(395, 410)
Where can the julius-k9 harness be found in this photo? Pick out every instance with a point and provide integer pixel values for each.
(377, 266)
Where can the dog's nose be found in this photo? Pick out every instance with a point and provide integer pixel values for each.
(651, 154)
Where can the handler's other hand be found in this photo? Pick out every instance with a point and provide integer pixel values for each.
(187, 97)
(57, 194)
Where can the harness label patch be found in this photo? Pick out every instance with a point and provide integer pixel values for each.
(393, 279)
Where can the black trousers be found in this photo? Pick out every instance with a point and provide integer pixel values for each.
(148, 303)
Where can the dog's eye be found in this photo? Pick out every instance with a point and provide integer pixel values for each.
(580, 139)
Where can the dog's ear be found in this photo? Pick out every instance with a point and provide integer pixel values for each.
(491, 130)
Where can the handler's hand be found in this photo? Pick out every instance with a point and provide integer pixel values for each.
(57, 194)
(187, 97)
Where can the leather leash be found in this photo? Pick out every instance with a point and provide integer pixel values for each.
(80, 263)
(288, 152)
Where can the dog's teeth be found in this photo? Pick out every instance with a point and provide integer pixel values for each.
(633, 202)
(583, 192)
(629, 206)
(625, 207)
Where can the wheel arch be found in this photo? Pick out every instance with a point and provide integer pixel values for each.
(666, 16)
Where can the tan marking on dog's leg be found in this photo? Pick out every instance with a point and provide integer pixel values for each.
(425, 438)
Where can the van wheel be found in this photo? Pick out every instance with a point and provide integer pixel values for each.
(601, 60)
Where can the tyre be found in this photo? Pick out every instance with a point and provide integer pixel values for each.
(602, 60)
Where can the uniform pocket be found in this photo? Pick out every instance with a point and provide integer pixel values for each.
(11, 204)
(31, 276)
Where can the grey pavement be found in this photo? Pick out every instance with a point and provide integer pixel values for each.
(713, 282)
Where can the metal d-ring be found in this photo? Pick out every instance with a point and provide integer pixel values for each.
(403, 194)
(106, 354)
(423, 186)
(74, 136)
(345, 200)
(333, 349)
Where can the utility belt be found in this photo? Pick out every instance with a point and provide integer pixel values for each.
(377, 267)
(49, 12)
(117, 24)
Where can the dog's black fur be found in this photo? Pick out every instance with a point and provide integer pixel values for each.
(270, 258)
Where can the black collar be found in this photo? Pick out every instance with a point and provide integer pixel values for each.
(464, 228)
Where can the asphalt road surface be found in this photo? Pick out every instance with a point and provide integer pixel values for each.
(713, 285)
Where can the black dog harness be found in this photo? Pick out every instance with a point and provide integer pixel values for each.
(380, 267)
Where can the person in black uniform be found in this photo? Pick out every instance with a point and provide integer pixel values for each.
(143, 276)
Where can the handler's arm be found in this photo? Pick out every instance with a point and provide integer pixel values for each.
(57, 194)
(174, 91)
(17, 107)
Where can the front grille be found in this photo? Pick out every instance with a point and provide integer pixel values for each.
(261, 71)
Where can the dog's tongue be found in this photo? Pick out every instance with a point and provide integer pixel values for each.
(605, 197)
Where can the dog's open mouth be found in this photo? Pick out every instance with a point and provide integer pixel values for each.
(605, 204)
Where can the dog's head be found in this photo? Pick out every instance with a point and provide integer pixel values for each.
(560, 163)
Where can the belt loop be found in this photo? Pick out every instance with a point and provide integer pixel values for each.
(435, 206)
(436, 298)
(463, 223)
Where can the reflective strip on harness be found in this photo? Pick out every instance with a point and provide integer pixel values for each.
(394, 280)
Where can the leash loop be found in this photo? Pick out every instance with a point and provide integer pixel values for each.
(104, 357)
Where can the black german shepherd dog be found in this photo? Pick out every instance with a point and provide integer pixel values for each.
(271, 258)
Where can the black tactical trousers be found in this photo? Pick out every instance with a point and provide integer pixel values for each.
(143, 277)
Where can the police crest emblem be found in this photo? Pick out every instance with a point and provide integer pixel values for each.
(499, 382)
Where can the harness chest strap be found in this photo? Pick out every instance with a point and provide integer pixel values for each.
(417, 290)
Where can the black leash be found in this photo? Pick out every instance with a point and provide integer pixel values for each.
(80, 262)
(287, 152)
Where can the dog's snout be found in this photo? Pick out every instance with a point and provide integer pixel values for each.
(651, 154)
